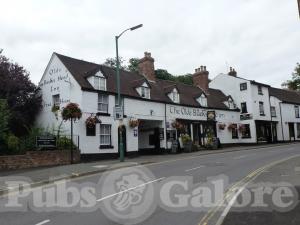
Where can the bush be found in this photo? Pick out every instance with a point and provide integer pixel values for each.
(13, 144)
(65, 143)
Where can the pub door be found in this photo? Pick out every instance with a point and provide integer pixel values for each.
(292, 131)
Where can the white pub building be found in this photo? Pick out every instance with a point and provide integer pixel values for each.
(156, 111)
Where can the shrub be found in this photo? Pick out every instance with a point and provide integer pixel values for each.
(13, 143)
(186, 138)
(64, 143)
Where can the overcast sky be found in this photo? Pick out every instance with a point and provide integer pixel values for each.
(260, 38)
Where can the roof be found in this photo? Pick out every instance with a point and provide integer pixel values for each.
(130, 80)
(285, 96)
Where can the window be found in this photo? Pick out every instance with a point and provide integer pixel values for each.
(259, 88)
(103, 103)
(56, 100)
(100, 83)
(105, 135)
(91, 131)
(231, 104)
(273, 111)
(243, 86)
(234, 131)
(174, 96)
(298, 130)
(244, 107)
(297, 111)
(245, 130)
(202, 100)
(261, 109)
(145, 92)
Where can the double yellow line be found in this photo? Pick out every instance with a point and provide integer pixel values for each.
(242, 183)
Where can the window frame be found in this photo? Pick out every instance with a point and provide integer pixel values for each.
(243, 86)
(246, 110)
(145, 92)
(56, 100)
(297, 113)
(261, 108)
(260, 90)
(243, 132)
(273, 111)
(203, 100)
(90, 131)
(102, 103)
(298, 130)
(234, 132)
(105, 144)
(97, 85)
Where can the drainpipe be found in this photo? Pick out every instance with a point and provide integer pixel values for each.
(166, 126)
(271, 119)
(281, 121)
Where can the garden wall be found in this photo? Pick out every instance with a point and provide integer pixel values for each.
(38, 158)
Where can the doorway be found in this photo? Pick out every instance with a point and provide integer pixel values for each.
(122, 133)
(292, 131)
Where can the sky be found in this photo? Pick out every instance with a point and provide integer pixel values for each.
(259, 38)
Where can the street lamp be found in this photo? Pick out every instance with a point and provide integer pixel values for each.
(118, 87)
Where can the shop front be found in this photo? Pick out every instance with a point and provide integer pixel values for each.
(266, 131)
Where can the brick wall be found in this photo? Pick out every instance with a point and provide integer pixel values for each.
(38, 158)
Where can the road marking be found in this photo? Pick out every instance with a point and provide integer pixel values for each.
(43, 222)
(198, 167)
(243, 183)
(240, 157)
(100, 166)
(129, 189)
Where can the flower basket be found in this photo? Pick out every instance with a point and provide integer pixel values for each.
(222, 126)
(134, 123)
(91, 121)
(187, 142)
(71, 111)
(231, 127)
(177, 125)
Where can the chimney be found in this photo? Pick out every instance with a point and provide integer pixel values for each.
(200, 78)
(146, 67)
(232, 72)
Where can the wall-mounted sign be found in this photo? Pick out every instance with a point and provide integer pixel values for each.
(211, 115)
(46, 141)
(246, 116)
(118, 113)
(135, 132)
(161, 134)
(171, 135)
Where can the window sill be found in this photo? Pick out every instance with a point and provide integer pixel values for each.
(106, 147)
(103, 114)
(262, 114)
(246, 137)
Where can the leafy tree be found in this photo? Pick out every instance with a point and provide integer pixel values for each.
(22, 96)
(112, 62)
(133, 64)
(294, 83)
(4, 119)
(165, 75)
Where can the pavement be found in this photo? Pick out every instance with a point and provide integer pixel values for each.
(45, 175)
(235, 163)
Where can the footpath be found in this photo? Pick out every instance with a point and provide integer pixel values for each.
(45, 175)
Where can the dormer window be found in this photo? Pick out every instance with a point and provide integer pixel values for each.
(144, 91)
(174, 96)
(202, 100)
(98, 81)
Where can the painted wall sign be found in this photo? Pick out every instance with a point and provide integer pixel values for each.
(135, 132)
(189, 112)
(46, 141)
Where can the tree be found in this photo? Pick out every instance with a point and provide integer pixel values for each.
(22, 96)
(112, 62)
(165, 75)
(133, 64)
(4, 119)
(294, 83)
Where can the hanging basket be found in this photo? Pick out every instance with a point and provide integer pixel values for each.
(91, 121)
(134, 123)
(71, 111)
(222, 126)
(231, 127)
(177, 125)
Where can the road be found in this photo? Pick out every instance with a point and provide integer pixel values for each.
(235, 165)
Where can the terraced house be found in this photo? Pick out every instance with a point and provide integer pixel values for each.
(157, 112)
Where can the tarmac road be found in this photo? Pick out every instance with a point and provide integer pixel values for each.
(235, 165)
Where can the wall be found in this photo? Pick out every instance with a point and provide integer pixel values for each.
(288, 116)
(38, 159)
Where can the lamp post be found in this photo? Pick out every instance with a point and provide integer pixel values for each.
(121, 147)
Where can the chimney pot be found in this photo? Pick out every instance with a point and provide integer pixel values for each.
(232, 72)
(146, 67)
(200, 78)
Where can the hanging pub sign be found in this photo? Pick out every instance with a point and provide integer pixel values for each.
(46, 141)
(211, 115)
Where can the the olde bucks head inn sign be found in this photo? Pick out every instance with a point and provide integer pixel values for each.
(191, 113)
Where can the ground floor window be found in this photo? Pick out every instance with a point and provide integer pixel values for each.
(245, 130)
(105, 135)
(234, 131)
(91, 130)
